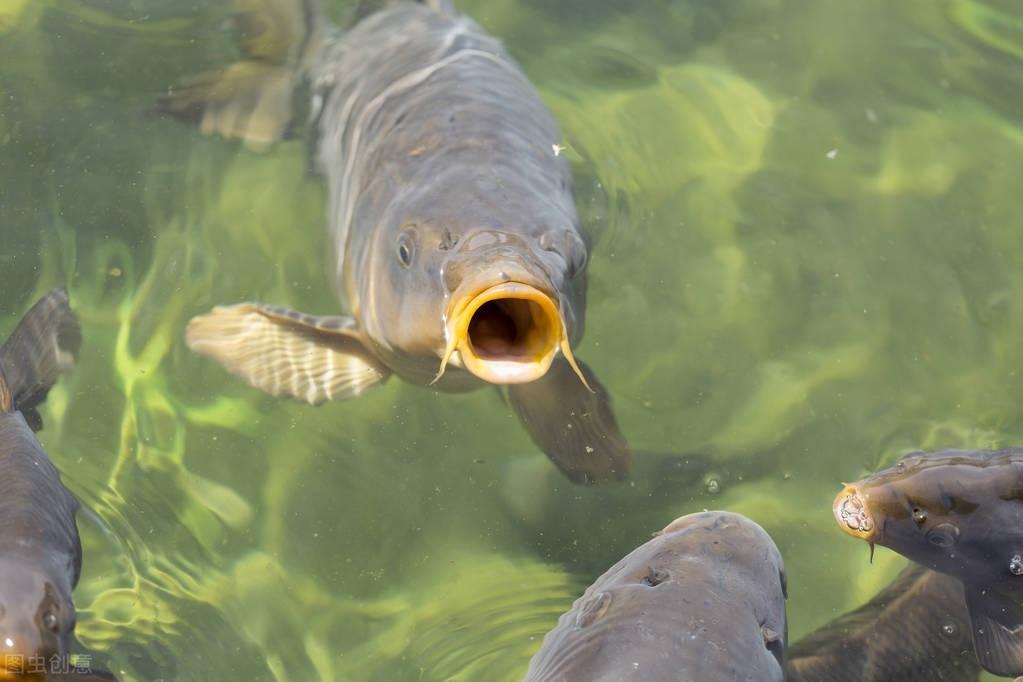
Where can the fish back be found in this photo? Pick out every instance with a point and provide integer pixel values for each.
(37, 513)
(420, 108)
(915, 630)
(704, 601)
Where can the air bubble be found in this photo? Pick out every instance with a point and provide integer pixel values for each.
(949, 629)
(1016, 565)
(712, 485)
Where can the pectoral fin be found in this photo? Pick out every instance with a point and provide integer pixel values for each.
(251, 99)
(575, 427)
(283, 352)
(248, 100)
(44, 344)
(997, 623)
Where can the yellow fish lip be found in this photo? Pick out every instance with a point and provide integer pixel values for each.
(852, 514)
(507, 333)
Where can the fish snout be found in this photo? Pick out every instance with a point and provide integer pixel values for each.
(494, 262)
(853, 517)
(504, 321)
(507, 333)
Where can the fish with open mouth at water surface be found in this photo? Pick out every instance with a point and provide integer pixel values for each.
(40, 551)
(456, 243)
(959, 512)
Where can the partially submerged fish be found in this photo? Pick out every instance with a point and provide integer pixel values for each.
(915, 630)
(455, 240)
(704, 600)
(961, 513)
(40, 552)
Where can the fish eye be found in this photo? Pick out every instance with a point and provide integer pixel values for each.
(406, 248)
(51, 622)
(943, 535)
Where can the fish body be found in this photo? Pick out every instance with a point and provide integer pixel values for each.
(431, 137)
(40, 552)
(961, 513)
(917, 629)
(704, 600)
(456, 246)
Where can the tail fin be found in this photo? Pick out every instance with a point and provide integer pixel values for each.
(44, 344)
(251, 99)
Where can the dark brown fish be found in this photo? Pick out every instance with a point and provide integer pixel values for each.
(915, 630)
(961, 513)
(40, 552)
(456, 246)
(703, 601)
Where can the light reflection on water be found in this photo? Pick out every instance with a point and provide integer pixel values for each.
(808, 260)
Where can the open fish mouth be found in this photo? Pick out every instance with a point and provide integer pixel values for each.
(852, 515)
(508, 333)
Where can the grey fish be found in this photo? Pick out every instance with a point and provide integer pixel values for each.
(42, 555)
(915, 630)
(961, 513)
(703, 601)
(456, 246)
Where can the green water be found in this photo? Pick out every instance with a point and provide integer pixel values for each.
(809, 258)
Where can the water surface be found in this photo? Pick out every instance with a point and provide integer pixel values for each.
(809, 258)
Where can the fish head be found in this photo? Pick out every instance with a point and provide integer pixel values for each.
(948, 511)
(36, 620)
(747, 544)
(499, 303)
(705, 596)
